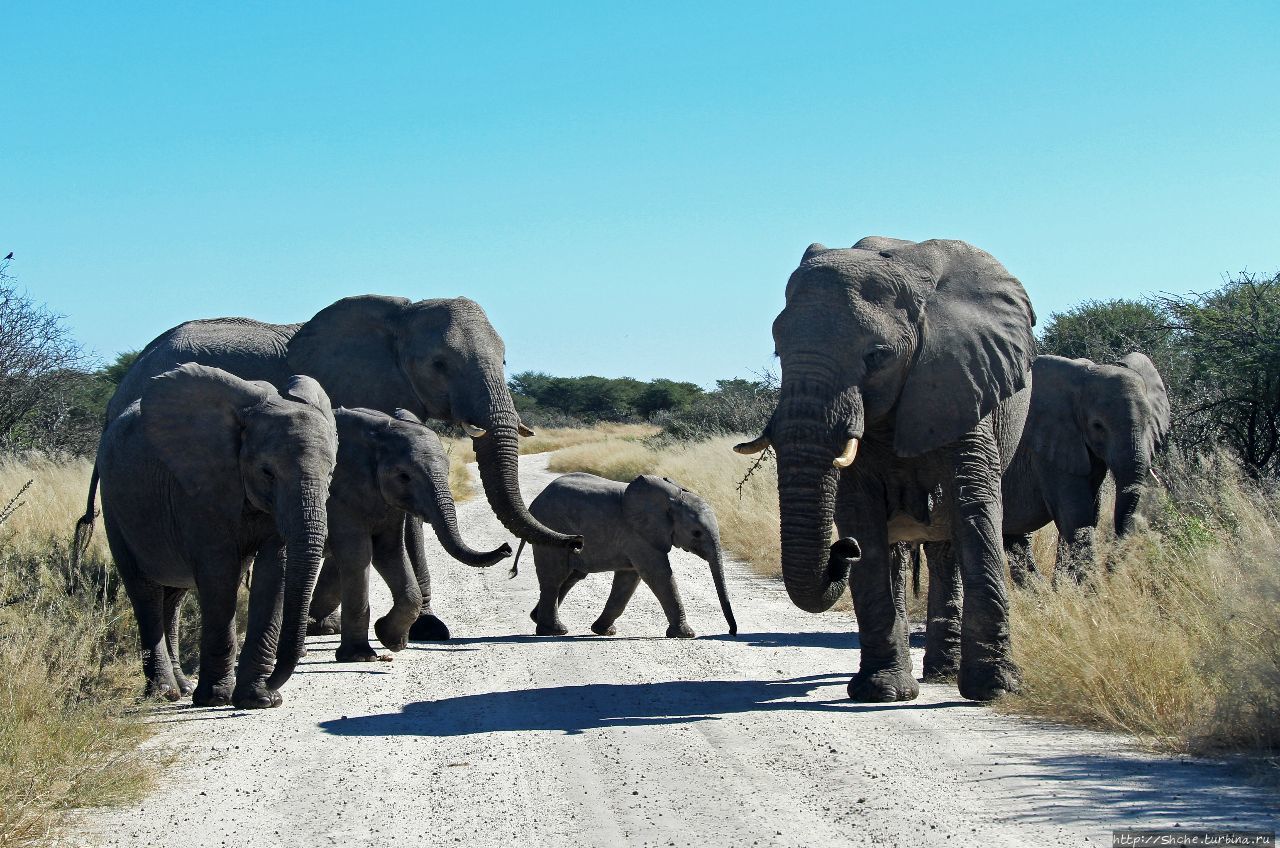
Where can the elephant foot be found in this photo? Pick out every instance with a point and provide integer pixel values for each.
(680, 631)
(362, 652)
(428, 628)
(212, 696)
(392, 638)
(556, 629)
(941, 666)
(185, 685)
(988, 680)
(255, 696)
(601, 629)
(330, 625)
(161, 691)
(884, 686)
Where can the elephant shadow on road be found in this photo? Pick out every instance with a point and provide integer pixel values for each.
(574, 709)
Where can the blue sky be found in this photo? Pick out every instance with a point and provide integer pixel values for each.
(624, 190)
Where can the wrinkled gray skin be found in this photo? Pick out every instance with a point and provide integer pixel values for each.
(199, 474)
(1085, 420)
(436, 358)
(389, 467)
(921, 352)
(628, 528)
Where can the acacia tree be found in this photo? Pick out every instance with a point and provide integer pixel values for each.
(1230, 342)
(40, 367)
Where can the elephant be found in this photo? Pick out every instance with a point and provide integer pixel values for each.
(198, 475)
(629, 529)
(1085, 420)
(906, 369)
(437, 358)
(389, 466)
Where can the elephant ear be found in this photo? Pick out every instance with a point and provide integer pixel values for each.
(352, 347)
(303, 388)
(406, 415)
(1054, 429)
(646, 504)
(1157, 397)
(193, 417)
(976, 347)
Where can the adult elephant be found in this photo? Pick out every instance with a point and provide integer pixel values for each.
(904, 369)
(436, 358)
(203, 472)
(1086, 419)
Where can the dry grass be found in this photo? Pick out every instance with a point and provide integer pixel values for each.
(68, 668)
(1179, 644)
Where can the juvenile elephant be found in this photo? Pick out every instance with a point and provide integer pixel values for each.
(628, 528)
(437, 358)
(905, 369)
(1086, 419)
(204, 470)
(389, 467)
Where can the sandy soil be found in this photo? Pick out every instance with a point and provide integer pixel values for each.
(500, 738)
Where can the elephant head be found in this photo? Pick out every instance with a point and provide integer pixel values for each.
(904, 346)
(438, 359)
(236, 446)
(411, 473)
(665, 515)
(1117, 415)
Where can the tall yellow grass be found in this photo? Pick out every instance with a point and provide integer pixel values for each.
(68, 667)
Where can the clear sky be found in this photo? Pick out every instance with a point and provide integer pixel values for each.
(624, 190)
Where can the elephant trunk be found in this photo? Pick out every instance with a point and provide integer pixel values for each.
(497, 454)
(1130, 474)
(443, 518)
(722, 592)
(304, 531)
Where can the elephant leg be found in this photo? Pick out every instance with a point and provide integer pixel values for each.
(553, 570)
(575, 577)
(325, 613)
(428, 628)
(987, 669)
(879, 599)
(352, 551)
(173, 599)
(217, 583)
(147, 598)
(1022, 560)
(656, 572)
(624, 586)
(1073, 501)
(942, 631)
(391, 561)
(262, 636)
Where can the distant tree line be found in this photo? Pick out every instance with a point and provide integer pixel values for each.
(1218, 352)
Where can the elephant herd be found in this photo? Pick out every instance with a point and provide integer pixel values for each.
(913, 410)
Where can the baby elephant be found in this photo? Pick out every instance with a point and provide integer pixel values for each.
(388, 466)
(627, 529)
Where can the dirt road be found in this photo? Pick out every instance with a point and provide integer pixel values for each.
(499, 738)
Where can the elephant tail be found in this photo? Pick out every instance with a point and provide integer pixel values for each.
(84, 527)
(515, 564)
(915, 571)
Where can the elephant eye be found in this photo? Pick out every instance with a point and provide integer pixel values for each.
(267, 472)
(440, 365)
(403, 477)
(878, 357)
(697, 534)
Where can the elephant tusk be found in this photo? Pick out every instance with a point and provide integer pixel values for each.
(472, 430)
(845, 459)
(524, 431)
(754, 446)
